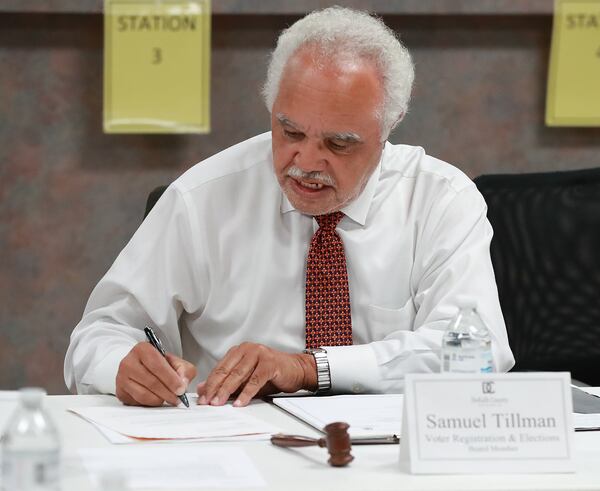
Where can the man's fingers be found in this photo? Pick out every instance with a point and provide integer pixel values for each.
(237, 377)
(125, 397)
(257, 380)
(147, 379)
(131, 393)
(219, 374)
(160, 367)
(126, 390)
(248, 370)
(184, 369)
(142, 395)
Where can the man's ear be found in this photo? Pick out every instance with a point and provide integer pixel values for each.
(398, 119)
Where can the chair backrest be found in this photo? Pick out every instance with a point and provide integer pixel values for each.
(546, 257)
(153, 197)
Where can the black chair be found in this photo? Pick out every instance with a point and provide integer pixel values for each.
(153, 197)
(546, 257)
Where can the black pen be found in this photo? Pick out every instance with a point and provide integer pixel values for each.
(154, 341)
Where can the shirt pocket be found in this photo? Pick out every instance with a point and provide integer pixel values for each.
(384, 321)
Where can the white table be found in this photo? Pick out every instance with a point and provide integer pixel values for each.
(374, 467)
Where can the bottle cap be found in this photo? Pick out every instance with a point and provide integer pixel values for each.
(31, 397)
(466, 302)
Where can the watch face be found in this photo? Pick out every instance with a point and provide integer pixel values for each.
(315, 350)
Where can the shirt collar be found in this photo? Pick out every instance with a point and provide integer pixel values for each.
(357, 209)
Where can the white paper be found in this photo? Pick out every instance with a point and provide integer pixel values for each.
(586, 421)
(120, 439)
(174, 423)
(175, 466)
(369, 415)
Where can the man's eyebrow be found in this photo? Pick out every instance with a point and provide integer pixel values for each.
(283, 120)
(348, 137)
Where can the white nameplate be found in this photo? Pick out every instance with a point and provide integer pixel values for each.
(488, 423)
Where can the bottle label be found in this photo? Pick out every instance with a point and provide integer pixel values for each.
(461, 361)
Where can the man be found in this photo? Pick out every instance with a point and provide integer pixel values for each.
(318, 234)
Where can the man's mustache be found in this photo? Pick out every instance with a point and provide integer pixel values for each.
(313, 176)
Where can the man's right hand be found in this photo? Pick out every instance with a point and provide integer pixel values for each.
(146, 378)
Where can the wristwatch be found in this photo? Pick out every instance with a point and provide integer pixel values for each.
(323, 374)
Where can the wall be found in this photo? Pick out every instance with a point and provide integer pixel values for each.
(70, 196)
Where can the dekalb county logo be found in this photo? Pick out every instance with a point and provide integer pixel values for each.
(487, 387)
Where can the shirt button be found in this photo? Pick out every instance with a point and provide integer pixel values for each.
(358, 389)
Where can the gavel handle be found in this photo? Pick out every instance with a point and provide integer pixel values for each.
(282, 440)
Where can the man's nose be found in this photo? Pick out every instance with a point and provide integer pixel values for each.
(311, 156)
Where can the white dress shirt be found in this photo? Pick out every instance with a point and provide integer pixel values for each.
(221, 259)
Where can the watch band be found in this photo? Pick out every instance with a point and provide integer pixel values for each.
(323, 373)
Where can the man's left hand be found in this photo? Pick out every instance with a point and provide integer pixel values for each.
(255, 369)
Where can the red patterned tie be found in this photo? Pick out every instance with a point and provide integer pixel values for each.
(328, 321)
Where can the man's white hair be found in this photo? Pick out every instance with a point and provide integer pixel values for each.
(339, 33)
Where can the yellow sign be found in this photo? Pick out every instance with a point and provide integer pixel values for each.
(156, 66)
(573, 97)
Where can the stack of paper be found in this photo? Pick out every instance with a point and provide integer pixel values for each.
(369, 416)
(586, 405)
(168, 423)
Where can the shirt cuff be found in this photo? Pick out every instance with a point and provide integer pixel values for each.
(353, 369)
(105, 373)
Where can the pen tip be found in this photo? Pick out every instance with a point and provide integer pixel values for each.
(184, 399)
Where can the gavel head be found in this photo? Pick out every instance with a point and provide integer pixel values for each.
(338, 444)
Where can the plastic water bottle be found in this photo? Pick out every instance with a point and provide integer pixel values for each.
(467, 344)
(30, 446)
